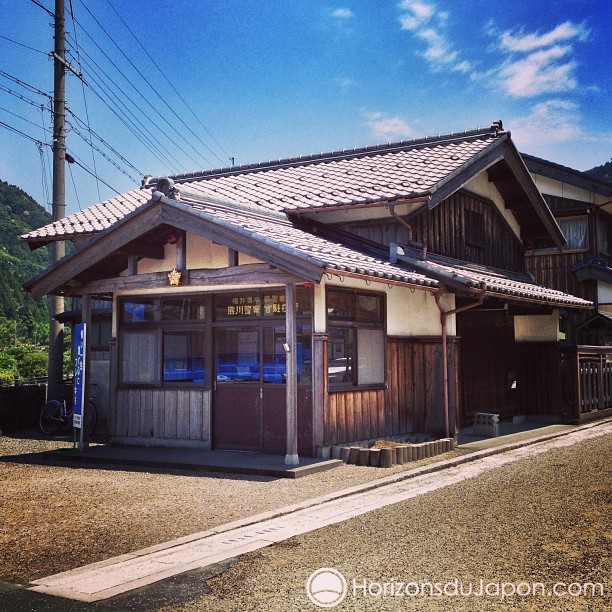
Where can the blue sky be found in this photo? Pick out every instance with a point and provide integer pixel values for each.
(268, 79)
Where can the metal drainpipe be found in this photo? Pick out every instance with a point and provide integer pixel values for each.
(409, 229)
(443, 317)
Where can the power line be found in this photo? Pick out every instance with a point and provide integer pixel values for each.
(93, 157)
(94, 147)
(13, 129)
(44, 8)
(6, 110)
(25, 85)
(175, 89)
(71, 159)
(22, 45)
(137, 125)
(149, 84)
(106, 144)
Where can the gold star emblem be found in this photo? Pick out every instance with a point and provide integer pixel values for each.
(174, 277)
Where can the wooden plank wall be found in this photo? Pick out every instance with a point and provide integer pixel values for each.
(173, 414)
(445, 230)
(412, 403)
(545, 368)
(555, 270)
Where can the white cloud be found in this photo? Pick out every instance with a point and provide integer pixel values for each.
(553, 121)
(342, 13)
(540, 72)
(427, 24)
(390, 128)
(418, 14)
(536, 63)
(529, 42)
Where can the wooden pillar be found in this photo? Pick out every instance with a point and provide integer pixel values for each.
(291, 458)
(319, 390)
(181, 252)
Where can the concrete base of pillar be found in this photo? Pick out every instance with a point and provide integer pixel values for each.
(292, 460)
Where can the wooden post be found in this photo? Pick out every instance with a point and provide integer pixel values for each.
(291, 458)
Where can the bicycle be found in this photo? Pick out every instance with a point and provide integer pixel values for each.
(56, 413)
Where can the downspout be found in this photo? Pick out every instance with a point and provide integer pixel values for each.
(443, 318)
(409, 229)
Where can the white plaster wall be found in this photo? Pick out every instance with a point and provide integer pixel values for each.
(565, 190)
(204, 253)
(481, 185)
(537, 328)
(409, 313)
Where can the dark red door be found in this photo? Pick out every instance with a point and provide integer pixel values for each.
(237, 397)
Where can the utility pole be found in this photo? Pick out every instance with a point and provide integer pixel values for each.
(56, 303)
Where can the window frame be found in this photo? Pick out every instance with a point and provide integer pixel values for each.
(159, 327)
(355, 325)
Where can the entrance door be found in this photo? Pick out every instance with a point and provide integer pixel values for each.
(250, 398)
(238, 388)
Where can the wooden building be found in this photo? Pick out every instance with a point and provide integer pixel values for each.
(293, 305)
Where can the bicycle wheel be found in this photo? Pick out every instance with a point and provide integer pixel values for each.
(92, 417)
(50, 417)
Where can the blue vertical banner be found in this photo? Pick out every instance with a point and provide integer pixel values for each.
(79, 375)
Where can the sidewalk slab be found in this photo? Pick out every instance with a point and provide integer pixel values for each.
(229, 462)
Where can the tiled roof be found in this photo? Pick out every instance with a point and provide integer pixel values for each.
(397, 171)
(495, 282)
(277, 231)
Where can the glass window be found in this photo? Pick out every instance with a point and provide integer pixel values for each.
(237, 354)
(340, 305)
(238, 305)
(369, 308)
(184, 356)
(575, 231)
(356, 344)
(275, 356)
(184, 309)
(371, 352)
(139, 310)
(140, 357)
(341, 355)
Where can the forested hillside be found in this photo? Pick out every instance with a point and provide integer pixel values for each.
(603, 172)
(23, 321)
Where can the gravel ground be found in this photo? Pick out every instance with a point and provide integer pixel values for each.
(55, 518)
(544, 520)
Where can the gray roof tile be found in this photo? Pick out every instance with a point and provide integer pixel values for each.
(370, 174)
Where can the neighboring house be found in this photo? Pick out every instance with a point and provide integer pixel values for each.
(582, 205)
(297, 304)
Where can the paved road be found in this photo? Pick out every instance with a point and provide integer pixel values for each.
(544, 519)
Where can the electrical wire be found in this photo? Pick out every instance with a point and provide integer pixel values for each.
(175, 89)
(94, 147)
(22, 45)
(106, 144)
(13, 129)
(44, 8)
(148, 102)
(80, 164)
(93, 157)
(6, 110)
(76, 193)
(137, 128)
(25, 85)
